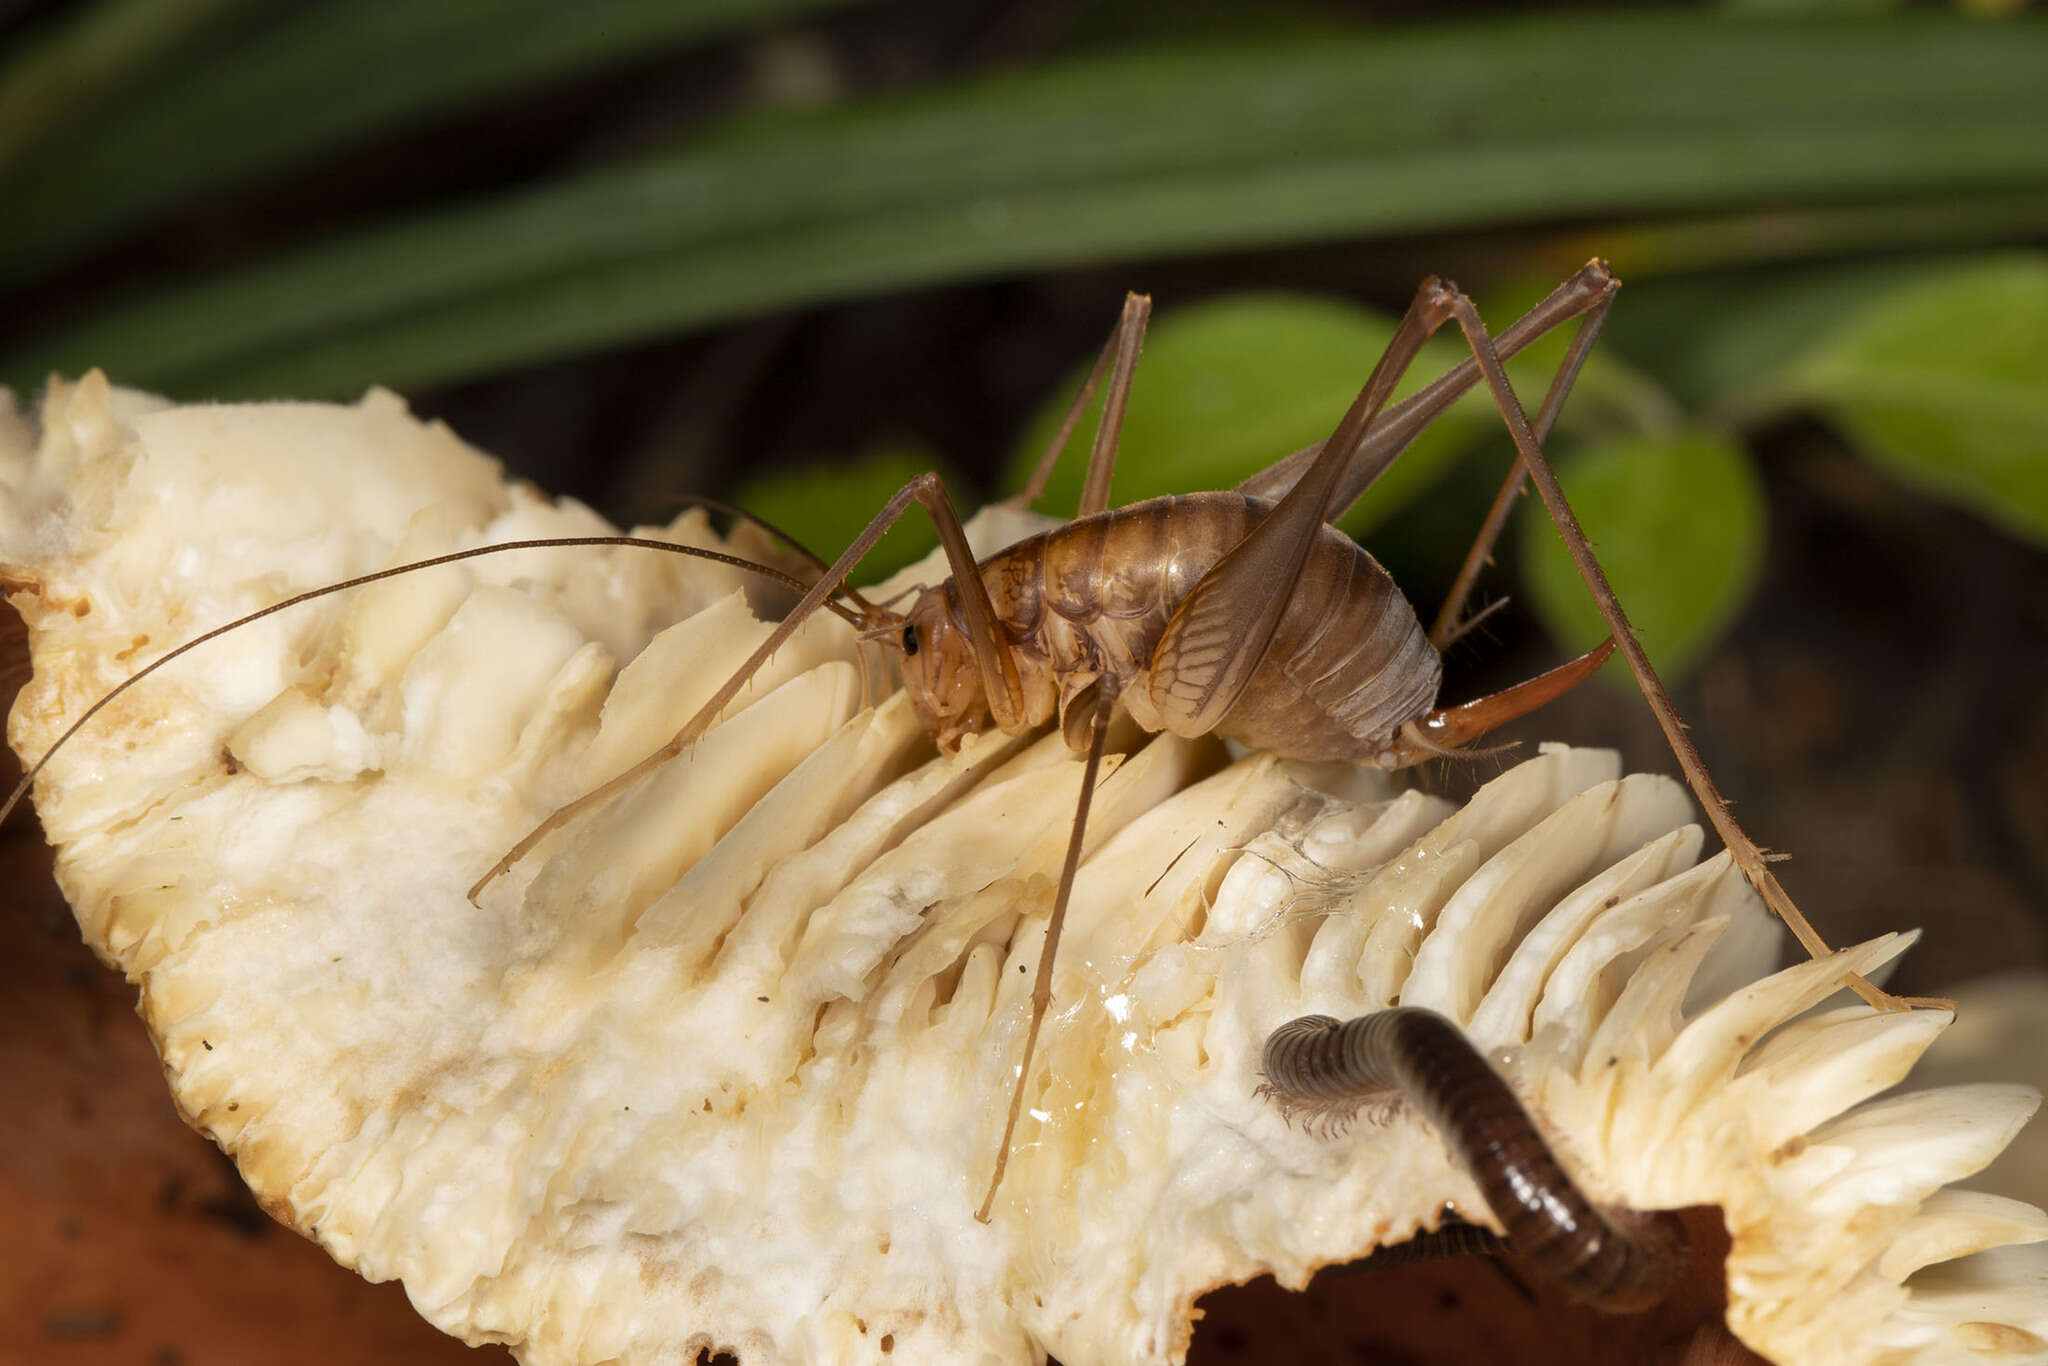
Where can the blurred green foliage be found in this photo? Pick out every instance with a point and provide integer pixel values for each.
(1678, 524)
(1943, 379)
(146, 103)
(1723, 161)
(824, 506)
(1153, 149)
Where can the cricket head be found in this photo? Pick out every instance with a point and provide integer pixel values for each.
(940, 671)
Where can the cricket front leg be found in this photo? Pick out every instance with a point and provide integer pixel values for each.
(1041, 987)
(992, 652)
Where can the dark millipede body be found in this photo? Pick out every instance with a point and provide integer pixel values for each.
(1423, 1056)
(1453, 1238)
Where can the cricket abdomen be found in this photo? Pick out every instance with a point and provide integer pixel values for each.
(1348, 665)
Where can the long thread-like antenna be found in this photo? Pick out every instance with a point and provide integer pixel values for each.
(855, 619)
(808, 555)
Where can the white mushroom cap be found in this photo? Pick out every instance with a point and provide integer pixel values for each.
(725, 1063)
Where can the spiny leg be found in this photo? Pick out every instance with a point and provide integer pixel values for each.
(1451, 622)
(1122, 348)
(992, 653)
(1448, 303)
(1403, 422)
(1041, 986)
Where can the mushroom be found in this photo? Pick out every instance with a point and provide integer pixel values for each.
(725, 1065)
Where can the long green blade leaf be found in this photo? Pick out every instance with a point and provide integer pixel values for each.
(1122, 156)
(74, 64)
(327, 74)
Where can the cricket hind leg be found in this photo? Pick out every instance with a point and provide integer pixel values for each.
(1445, 304)
(1205, 659)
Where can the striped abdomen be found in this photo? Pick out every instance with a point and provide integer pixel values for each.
(1348, 665)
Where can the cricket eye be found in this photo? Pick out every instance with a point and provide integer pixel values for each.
(910, 640)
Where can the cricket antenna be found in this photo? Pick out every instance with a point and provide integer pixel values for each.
(856, 619)
(740, 514)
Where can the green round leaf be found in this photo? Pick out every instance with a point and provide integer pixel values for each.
(1608, 399)
(824, 506)
(1225, 388)
(1945, 383)
(1677, 523)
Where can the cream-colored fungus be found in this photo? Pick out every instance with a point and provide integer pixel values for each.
(725, 1064)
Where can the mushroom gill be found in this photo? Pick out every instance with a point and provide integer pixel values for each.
(725, 1065)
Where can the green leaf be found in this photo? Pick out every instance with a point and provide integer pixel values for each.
(825, 505)
(1677, 523)
(1226, 387)
(1944, 382)
(74, 63)
(1724, 340)
(322, 76)
(1140, 154)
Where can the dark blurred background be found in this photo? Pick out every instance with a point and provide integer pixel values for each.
(791, 251)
